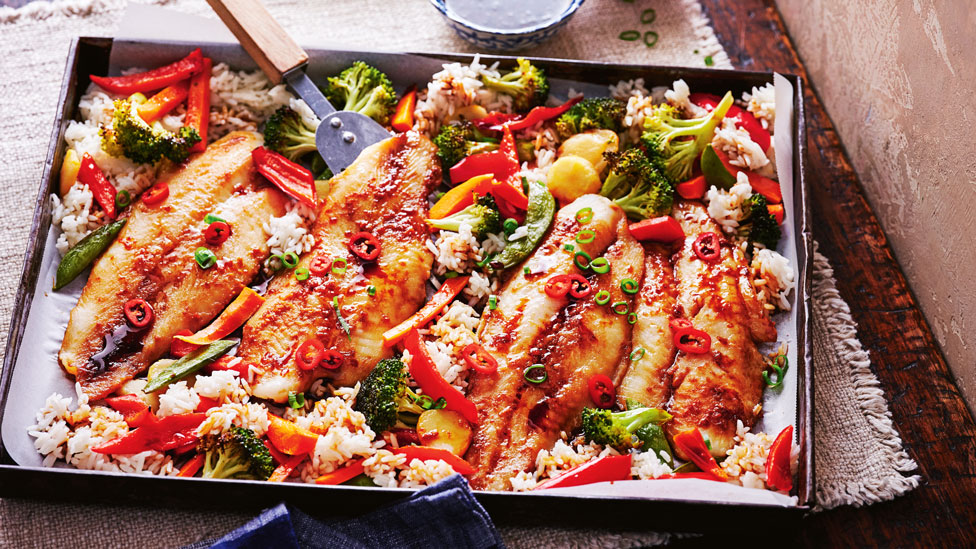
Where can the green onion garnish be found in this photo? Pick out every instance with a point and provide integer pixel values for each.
(602, 297)
(290, 260)
(211, 218)
(342, 321)
(650, 39)
(569, 247)
(204, 257)
(509, 226)
(493, 302)
(527, 270)
(339, 265)
(629, 286)
(780, 364)
(301, 273)
(600, 265)
(631, 318)
(648, 16)
(709, 61)
(585, 236)
(620, 307)
(280, 264)
(708, 441)
(629, 35)
(123, 199)
(486, 260)
(535, 378)
(584, 215)
(296, 400)
(584, 255)
(451, 274)
(637, 354)
(371, 290)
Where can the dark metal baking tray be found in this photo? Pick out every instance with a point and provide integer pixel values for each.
(92, 56)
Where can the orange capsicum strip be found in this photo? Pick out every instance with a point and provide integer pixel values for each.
(448, 291)
(193, 466)
(777, 211)
(198, 104)
(235, 315)
(426, 374)
(403, 116)
(164, 101)
(692, 444)
(343, 474)
(286, 463)
(424, 453)
(289, 438)
(461, 196)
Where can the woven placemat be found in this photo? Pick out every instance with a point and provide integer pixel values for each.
(859, 455)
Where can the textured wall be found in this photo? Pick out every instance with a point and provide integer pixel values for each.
(898, 78)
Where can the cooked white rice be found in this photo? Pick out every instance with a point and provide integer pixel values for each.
(552, 463)
(774, 278)
(678, 97)
(746, 461)
(648, 465)
(725, 207)
(737, 143)
(456, 86)
(762, 103)
(289, 233)
(251, 416)
(178, 399)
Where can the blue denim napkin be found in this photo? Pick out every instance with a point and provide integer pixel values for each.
(443, 515)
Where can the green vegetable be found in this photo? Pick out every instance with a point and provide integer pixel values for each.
(617, 429)
(211, 218)
(385, 399)
(542, 208)
(591, 114)
(236, 453)
(189, 364)
(123, 199)
(132, 137)
(482, 216)
(84, 253)
(715, 171)
(666, 136)
(759, 225)
(342, 320)
(296, 400)
(509, 226)
(288, 134)
(527, 85)
(541, 377)
(363, 89)
(455, 141)
(204, 257)
(637, 184)
(652, 439)
(360, 480)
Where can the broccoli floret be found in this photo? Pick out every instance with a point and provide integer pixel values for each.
(618, 429)
(132, 137)
(235, 453)
(680, 141)
(637, 184)
(482, 216)
(287, 133)
(455, 141)
(759, 225)
(384, 397)
(591, 114)
(527, 85)
(363, 89)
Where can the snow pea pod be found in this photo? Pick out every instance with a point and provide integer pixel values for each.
(538, 217)
(653, 439)
(84, 253)
(189, 364)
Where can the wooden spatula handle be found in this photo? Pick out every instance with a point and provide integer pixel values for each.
(263, 38)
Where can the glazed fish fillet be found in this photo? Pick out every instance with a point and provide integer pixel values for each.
(652, 348)
(574, 340)
(152, 259)
(384, 192)
(711, 391)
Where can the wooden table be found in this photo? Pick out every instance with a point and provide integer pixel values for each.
(935, 425)
(929, 412)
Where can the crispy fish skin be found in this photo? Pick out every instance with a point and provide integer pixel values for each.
(573, 339)
(153, 258)
(646, 379)
(712, 390)
(384, 192)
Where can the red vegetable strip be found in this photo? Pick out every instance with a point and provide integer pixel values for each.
(135, 410)
(403, 116)
(193, 466)
(424, 453)
(179, 348)
(536, 115)
(235, 315)
(692, 340)
(293, 179)
(692, 445)
(164, 101)
(286, 463)
(198, 104)
(206, 403)
(152, 80)
(658, 229)
(743, 118)
(602, 469)
(779, 474)
(448, 291)
(425, 373)
(693, 189)
(344, 474)
(160, 434)
(762, 185)
(103, 191)
(777, 211)
(698, 475)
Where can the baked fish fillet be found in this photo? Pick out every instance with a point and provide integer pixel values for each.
(712, 390)
(652, 344)
(573, 339)
(152, 259)
(384, 192)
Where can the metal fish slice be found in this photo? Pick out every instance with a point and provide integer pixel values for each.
(342, 135)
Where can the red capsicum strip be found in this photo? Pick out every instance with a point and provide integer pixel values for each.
(198, 104)
(424, 453)
(135, 410)
(155, 79)
(743, 118)
(693, 189)
(236, 314)
(159, 434)
(344, 474)
(446, 294)
(658, 229)
(293, 179)
(163, 102)
(602, 469)
(536, 115)
(193, 466)
(779, 474)
(692, 445)
(403, 116)
(286, 463)
(426, 375)
(103, 191)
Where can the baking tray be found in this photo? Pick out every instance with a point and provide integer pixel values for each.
(89, 55)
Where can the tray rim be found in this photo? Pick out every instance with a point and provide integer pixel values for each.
(22, 481)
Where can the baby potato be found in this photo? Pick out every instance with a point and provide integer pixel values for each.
(444, 429)
(570, 177)
(591, 145)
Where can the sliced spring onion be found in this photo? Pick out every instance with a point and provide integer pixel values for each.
(279, 265)
(585, 236)
(600, 265)
(204, 257)
(535, 378)
(296, 400)
(569, 247)
(637, 354)
(451, 274)
(629, 286)
(631, 318)
(342, 321)
(290, 260)
(493, 302)
(509, 226)
(486, 260)
(584, 255)
(339, 265)
(371, 290)
(211, 218)
(602, 297)
(123, 199)
(584, 215)
(301, 273)
(780, 364)
(620, 307)
(527, 270)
